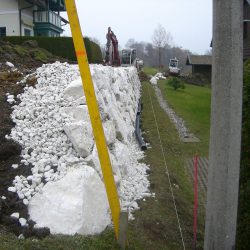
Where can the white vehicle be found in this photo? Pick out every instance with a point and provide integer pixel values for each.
(173, 67)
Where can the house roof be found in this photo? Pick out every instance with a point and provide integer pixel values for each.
(199, 60)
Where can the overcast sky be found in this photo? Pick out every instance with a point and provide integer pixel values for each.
(189, 21)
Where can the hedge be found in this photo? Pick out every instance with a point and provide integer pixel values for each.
(61, 46)
(243, 231)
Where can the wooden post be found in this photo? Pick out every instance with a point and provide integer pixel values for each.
(123, 228)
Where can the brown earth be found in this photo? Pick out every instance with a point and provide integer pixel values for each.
(26, 59)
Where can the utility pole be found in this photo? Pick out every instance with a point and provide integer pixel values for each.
(225, 137)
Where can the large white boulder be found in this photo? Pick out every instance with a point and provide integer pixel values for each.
(78, 113)
(75, 204)
(81, 136)
(93, 160)
(74, 89)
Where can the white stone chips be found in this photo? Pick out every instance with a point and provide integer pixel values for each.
(65, 191)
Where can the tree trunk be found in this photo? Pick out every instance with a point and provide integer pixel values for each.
(159, 58)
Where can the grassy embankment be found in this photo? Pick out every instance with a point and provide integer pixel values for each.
(193, 105)
(155, 226)
(150, 71)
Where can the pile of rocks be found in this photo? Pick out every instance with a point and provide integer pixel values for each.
(54, 130)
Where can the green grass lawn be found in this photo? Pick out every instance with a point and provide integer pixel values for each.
(193, 105)
(150, 70)
(106, 241)
(144, 231)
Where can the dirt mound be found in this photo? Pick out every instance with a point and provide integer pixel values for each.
(26, 59)
(28, 55)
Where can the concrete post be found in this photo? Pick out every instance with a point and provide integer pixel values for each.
(225, 136)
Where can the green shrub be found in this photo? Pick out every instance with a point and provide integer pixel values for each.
(176, 83)
(61, 46)
(40, 55)
(21, 51)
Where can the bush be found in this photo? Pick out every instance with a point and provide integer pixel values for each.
(40, 55)
(61, 46)
(21, 51)
(176, 83)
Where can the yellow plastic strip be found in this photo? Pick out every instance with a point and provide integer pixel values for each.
(94, 113)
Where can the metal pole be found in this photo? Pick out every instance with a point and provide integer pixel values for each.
(195, 159)
(225, 137)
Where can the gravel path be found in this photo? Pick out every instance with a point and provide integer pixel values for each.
(178, 121)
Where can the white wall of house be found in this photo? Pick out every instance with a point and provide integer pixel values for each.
(26, 17)
(16, 26)
(9, 17)
(27, 21)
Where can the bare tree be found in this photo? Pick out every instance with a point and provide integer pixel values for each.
(139, 46)
(208, 52)
(130, 43)
(95, 40)
(160, 39)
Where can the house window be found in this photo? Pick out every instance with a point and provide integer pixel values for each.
(245, 30)
(2, 31)
(27, 32)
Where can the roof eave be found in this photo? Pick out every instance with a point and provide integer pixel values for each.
(188, 61)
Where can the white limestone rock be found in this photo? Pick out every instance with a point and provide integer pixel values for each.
(93, 160)
(109, 131)
(153, 80)
(81, 136)
(9, 64)
(81, 208)
(23, 222)
(78, 113)
(15, 215)
(12, 189)
(74, 89)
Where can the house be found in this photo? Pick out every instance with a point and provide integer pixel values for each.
(246, 30)
(31, 17)
(246, 34)
(200, 65)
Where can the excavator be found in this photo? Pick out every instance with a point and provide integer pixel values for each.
(112, 57)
